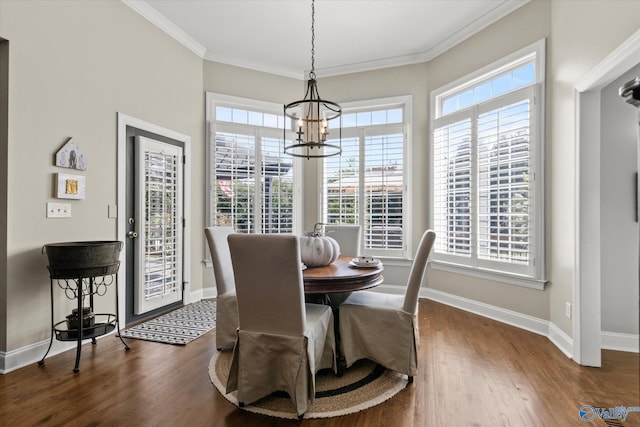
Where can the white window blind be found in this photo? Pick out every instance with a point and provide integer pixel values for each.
(234, 181)
(503, 184)
(366, 185)
(251, 180)
(482, 185)
(162, 224)
(384, 191)
(452, 201)
(487, 152)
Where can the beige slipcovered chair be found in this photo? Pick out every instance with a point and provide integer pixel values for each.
(383, 327)
(282, 342)
(226, 305)
(347, 236)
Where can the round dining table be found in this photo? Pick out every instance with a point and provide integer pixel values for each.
(341, 277)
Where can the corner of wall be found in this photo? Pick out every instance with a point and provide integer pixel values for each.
(4, 142)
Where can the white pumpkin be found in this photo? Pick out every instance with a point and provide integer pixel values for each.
(317, 250)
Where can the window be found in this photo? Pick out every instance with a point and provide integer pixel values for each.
(487, 202)
(366, 185)
(251, 181)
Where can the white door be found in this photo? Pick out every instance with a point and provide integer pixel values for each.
(158, 222)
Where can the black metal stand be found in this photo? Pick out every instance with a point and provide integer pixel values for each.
(78, 284)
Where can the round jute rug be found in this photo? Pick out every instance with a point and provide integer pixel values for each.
(363, 385)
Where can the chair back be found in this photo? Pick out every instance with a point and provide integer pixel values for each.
(417, 271)
(269, 285)
(347, 236)
(221, 258)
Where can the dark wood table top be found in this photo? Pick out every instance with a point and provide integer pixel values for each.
(340, 277)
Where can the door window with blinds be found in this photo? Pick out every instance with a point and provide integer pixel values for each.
(159, 218)
(251, 181)
(366, 185)
(487, 175)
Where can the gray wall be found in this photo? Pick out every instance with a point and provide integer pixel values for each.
(72, 66)
(583, 33)
(619, 231)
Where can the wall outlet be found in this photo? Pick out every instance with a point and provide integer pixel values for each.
(567, 310)
(58, 210)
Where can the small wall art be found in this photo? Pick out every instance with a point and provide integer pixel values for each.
(70, 156)
(69, 186)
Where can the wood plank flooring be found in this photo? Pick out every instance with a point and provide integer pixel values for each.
(472, 372)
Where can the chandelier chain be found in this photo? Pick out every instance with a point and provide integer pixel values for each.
(313, 39)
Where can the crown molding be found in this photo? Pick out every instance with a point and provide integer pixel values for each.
(143, 8)
(480, 23)
(254, 66)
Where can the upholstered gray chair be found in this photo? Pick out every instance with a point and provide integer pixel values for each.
(282, 342)
(226, 305)
(383, 327)
(347, 236)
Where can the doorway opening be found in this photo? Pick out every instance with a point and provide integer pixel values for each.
(153, 183)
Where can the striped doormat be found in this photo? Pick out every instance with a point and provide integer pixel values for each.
(180, 326)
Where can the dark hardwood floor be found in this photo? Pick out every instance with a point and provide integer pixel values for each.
(472, 372)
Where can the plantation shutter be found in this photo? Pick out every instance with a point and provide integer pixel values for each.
(452, 171)
(503, 183)
(383, 191)
(276, 187)
(483, 192)
(342, 184)
(234, 166)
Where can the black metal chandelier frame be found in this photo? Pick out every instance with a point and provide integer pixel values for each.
(312, 115)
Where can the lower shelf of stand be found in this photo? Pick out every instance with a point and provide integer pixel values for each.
(105, 323)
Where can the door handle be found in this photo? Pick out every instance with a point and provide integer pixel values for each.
(132, 234)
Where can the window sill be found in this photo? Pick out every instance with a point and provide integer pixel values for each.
(497, 276)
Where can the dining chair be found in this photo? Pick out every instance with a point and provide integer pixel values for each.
(281, 341)
(383, 327)
(226, 304)
(347, 236)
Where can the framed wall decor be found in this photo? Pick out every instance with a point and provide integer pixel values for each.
(70, 186)
(70, 156)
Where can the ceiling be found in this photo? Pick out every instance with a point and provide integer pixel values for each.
(350, 35)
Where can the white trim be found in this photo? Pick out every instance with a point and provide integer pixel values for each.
(621, 342)
(561, 340)
(157, 19)
(123, 121)
(32, 353)
(496, 276)
(536, 49)
(585, 287)
(513, 318)
(625, 56)
(481, 22)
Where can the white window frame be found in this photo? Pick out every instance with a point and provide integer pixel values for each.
(405, 102)
(534, 275)
(215, 99)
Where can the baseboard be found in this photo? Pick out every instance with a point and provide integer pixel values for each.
(620, 342)
(10, 361)
(513, 318)
(561, 340)
(31, 354)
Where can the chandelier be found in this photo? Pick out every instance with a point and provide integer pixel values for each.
(311, 116)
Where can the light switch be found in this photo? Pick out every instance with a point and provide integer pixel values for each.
(58, 210)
